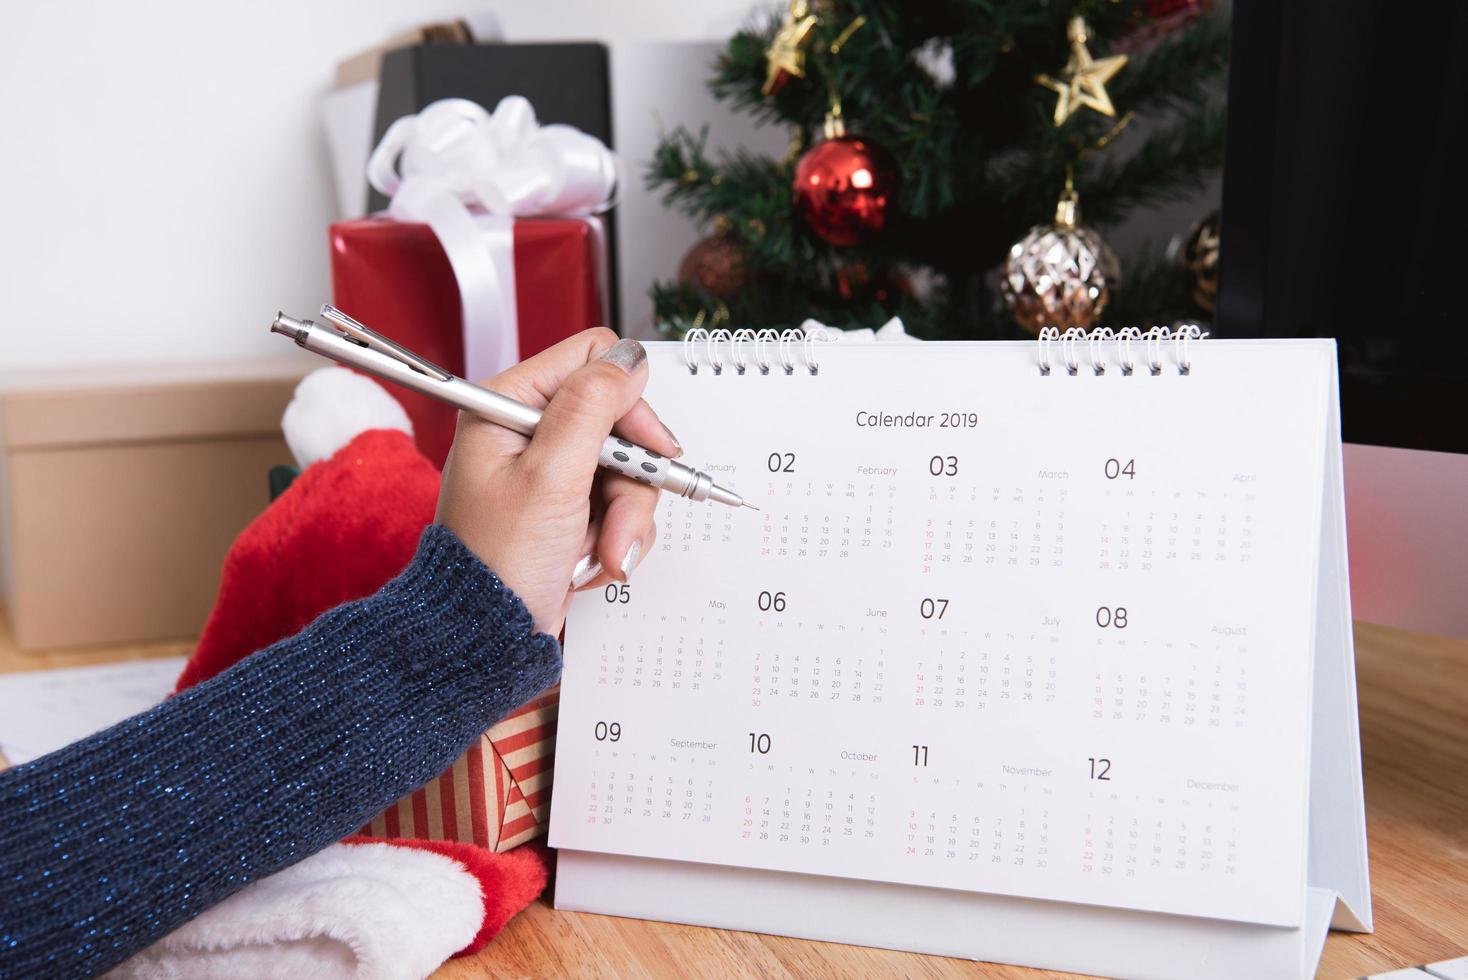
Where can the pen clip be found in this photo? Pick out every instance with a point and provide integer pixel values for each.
(364, 335)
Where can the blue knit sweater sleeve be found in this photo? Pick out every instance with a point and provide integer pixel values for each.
(114, 841)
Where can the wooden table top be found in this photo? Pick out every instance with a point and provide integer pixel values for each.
(1414, 733)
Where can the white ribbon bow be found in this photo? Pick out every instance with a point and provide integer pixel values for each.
(467, 173)
(893, 329)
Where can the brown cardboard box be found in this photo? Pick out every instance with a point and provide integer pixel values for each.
(120, 493)
(363, 67)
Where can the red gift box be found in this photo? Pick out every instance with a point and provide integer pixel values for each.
(394, 277)
(497, 795)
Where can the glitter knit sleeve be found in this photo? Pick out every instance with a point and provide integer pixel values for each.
(115, 840)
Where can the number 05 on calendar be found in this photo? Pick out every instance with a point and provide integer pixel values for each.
(1059, 625)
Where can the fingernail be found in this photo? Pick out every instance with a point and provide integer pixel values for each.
(586, 569)
(629, 560)
(626, 353)
(677, 446)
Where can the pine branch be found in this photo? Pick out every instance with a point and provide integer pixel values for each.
(1172, 163)
(980, 160)
(1178, 73)
(1154, 291)
(703, 188)
(739, 79)
(1174, 78)
(748, 195)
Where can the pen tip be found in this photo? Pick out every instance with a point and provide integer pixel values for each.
(750, 505)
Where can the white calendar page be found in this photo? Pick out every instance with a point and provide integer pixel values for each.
(1043, 636)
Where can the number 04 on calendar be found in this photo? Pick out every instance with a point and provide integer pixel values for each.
(1036, 623)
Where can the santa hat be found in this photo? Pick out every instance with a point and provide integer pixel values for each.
(346, 525)
(368, 910)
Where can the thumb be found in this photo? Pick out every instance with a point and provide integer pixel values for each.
(564, 451)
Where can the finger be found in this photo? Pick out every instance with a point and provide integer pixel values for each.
(535, 380)
(615, 576)
(588, 572)
(643, 426)
(648, 540)
(563, 454)
(601, 581)
(627, 528)
(532, 382)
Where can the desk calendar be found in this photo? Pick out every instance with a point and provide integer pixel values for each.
(1054, 636)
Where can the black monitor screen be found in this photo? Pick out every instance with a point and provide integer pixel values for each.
(1343, 203)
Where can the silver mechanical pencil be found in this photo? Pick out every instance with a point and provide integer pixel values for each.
(357, 345)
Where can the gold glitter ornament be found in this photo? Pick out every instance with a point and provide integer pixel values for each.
(1200, 259)
(715, 265)
(1060, 274)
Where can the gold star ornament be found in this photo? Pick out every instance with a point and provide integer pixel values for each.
(785, 57)
(1082, 83)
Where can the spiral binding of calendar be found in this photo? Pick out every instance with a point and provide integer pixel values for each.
(1096, 350)
(761, 350)
(1056, 349)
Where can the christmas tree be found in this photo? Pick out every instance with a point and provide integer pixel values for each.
(967, 123)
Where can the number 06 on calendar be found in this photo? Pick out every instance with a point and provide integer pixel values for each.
(1025, 639)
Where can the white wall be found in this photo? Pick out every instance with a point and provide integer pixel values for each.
(165, 181)
(652, 239)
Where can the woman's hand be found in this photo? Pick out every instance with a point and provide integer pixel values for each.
(537, 510)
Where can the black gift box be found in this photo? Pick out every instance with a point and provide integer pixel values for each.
(566, 83)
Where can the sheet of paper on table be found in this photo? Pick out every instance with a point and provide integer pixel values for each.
(43, 710)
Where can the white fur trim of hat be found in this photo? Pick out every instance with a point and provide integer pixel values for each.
(358, 911)
(331, 407)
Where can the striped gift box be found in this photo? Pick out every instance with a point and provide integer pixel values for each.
(497, 795)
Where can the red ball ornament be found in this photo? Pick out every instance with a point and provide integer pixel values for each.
(844, 188)
(855, 284)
